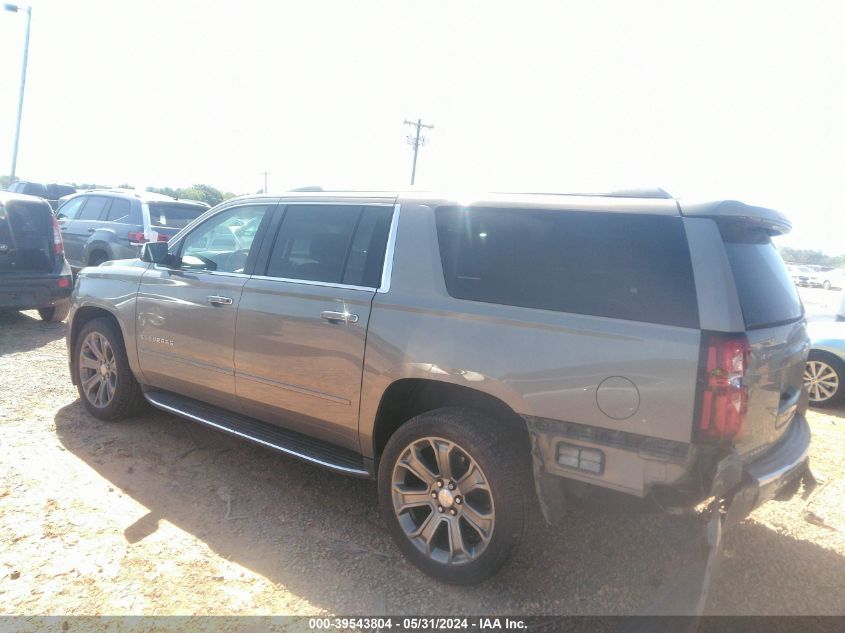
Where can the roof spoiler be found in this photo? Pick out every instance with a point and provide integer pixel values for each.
(773, 222)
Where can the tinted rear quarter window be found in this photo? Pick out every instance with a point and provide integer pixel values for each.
(174, 215)
(766, 291)
(622, 266)
(119, 210)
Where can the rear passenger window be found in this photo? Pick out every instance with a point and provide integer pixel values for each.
(313, 242)
(366, 257)
(632, 267)
(93, 208)
(119, 210)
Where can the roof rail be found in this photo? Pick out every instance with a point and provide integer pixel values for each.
(656, 192)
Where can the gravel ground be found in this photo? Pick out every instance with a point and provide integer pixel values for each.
(157, 515)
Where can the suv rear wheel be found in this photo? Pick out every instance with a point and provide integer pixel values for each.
(104, 380)
(97, 258)
(454, 490)
(55, 313)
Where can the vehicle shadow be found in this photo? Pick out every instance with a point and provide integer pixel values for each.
(320, 535)
(25, 331)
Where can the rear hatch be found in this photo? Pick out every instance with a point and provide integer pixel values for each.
(168, 218)
(26, 237)
(774, 324)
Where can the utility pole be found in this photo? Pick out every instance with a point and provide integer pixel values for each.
(416, 141)
(15, 8)
(265, 181)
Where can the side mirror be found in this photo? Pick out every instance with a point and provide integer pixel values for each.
(155, 253)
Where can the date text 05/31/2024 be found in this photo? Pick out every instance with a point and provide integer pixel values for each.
(416, 624)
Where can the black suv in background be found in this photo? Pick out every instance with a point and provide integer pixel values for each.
(106, 224)
(51, 192)
(33, 269)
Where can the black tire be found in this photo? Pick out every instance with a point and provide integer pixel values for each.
(817, 362)
(502, 454)
(55, 313)
(97, 258)
(127, 398)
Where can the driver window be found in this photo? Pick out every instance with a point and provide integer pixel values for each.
(222, 242)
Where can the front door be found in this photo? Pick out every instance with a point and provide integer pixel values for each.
(186, 311)
(302, 324)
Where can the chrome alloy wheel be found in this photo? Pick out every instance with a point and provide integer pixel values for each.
(443, 501)
(821, 379)
(97, 370)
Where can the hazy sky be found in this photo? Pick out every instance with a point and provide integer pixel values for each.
(739, 100)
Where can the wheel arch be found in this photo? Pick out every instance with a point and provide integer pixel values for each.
(81, 316)
(406, 398)
(97, 246)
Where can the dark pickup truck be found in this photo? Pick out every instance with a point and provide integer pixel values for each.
(51, 192)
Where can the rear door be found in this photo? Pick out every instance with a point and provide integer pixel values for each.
(186, 312)
(302, 322)
(77, 230)
(776, 330)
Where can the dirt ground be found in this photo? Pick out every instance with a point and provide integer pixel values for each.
(157, 515)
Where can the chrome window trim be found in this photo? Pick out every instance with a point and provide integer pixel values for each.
(387, 267)
(220, 273)
(308, 282)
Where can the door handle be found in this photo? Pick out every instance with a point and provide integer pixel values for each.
(91, 230)
(339, 317)
(217, 300)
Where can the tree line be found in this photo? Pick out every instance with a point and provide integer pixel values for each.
(807, 256)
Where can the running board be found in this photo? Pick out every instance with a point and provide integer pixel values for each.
(308, 449)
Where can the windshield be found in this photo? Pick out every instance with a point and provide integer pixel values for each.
(174, 215)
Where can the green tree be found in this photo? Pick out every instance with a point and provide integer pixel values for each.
(201, 192)
(808, 256)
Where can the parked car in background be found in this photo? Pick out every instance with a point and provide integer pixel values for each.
(474, 357)
(106, 224)
(51, 192)
(825, 372)
(828, 278)
(33, 270)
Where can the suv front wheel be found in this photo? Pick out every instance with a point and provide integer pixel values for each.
(105, 382)
(454, 488)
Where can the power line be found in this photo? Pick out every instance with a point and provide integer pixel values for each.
(416, 141)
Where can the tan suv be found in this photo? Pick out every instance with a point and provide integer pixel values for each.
(472, 355)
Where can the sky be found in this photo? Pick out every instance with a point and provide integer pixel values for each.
(739, 100)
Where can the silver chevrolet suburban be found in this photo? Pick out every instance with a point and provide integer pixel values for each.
(478, 356)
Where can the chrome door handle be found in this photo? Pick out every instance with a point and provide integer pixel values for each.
(339, 317)
(217, 300)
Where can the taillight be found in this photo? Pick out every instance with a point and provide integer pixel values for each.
(137, 238)
(725, 398)
(162, 237)
(58, 244)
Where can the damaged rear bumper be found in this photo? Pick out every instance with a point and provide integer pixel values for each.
(777, 474)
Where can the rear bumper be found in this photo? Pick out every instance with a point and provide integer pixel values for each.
(778, 473)
(24, 292)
